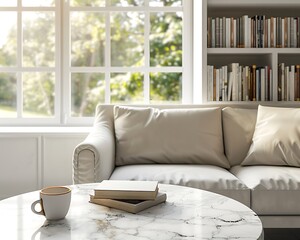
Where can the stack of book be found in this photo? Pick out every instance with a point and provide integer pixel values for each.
(130, 196)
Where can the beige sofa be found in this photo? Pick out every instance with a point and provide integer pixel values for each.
(145, 143)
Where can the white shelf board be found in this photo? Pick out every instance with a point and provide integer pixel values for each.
(253, 3)
(253, 104)
(253, 51)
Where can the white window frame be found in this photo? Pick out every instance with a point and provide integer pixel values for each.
(19, 69)
(63, 67)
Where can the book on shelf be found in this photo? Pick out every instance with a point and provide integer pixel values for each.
(228, 33)
(210, 85)
(224, 31)
(213, 33)
(256, 31)
(279, 81)
(209, 32)
(132, 206)
(221, 32)
(126, 189)
(233, 68)
(218, 31)
(253, 83)
(235, 82)
(297, 83)
(217, 89)
(230, 82)
(258, 85)
(292, 83)
(272, 32)
(288, 85)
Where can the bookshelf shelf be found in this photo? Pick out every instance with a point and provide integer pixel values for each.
(239, 51)
(254, 104)
(253, 3)
(271, 57)
(253, 51)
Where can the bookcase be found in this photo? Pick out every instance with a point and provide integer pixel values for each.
(221, 56)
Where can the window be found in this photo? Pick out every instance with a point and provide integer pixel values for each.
(29, 70)
(59, 59)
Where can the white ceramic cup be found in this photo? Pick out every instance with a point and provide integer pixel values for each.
(54, 201)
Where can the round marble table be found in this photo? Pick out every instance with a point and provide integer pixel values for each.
(187, 214)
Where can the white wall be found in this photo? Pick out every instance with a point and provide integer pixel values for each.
(32, 160)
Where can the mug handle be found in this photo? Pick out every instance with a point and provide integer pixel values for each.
(33, 207)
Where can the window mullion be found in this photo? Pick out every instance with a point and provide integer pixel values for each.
(58, 66)
(19, 95)
(107, 57)
(19, 61)
(65, 62)
(147, 55)
(187, 62)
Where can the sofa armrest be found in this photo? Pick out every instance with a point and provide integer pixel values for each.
(94, 158)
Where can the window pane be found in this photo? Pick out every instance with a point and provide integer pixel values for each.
(93, 3)
(38, 95)
(8, 3)
(127, 87)
(37, 3)
(88, 89)
(166, 39)
(38, 39)
(162, 3)
(127, 39)
(126, 3)
(8, 39)
(165, 87)
(87, 39)
(8, 97)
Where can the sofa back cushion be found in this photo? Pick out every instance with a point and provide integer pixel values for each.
(276, 137)
(151, 135)
(238, 128)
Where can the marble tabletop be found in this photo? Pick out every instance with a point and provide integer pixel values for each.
(187, 214)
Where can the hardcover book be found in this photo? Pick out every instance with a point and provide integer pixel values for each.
(132, 206)
(125, 189)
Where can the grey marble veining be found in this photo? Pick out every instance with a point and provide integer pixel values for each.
(188, 214)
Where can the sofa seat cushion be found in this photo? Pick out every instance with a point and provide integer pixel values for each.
(275, 190)
(206, 177)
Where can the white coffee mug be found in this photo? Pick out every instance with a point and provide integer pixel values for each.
(54, 201)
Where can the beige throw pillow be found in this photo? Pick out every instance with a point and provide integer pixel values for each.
(150, 135)
(276, 140)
